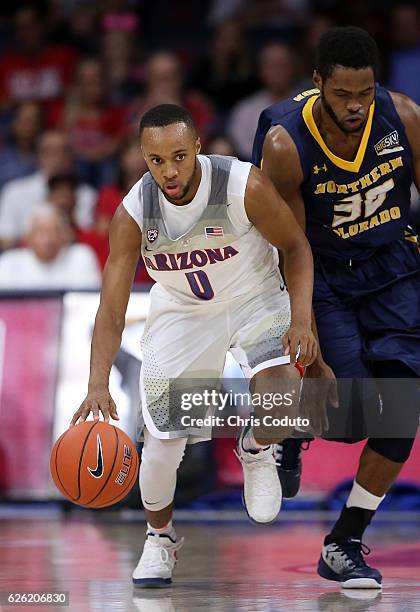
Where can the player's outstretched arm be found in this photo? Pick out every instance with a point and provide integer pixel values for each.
(125, 243)
(269, 213)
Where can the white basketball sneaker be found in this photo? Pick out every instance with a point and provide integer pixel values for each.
(156, 564)
(262, 489)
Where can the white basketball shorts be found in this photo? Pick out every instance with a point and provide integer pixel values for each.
(186, 342)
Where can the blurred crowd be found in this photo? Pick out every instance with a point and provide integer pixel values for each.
(76, 75)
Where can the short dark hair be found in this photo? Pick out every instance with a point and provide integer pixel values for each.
(65, 178)
(166, 114)
(348, 46)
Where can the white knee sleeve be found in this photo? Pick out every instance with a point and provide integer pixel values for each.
(160, 460)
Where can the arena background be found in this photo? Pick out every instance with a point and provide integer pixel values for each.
(88, 70)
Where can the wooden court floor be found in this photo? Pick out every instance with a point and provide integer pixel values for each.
(231, 567)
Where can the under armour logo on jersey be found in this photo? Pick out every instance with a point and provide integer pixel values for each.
(318, 169)
(152, 234)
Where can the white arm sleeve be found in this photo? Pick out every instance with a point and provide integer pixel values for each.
(133, 203)
(237, 183)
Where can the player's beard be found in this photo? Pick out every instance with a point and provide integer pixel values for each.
(329, 109)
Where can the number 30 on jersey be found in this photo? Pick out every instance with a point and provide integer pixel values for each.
(357, 206)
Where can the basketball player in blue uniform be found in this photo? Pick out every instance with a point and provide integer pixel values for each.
(343, 156)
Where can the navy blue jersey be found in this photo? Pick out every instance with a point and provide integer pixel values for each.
(352, 207)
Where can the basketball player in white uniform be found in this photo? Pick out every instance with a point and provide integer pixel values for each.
(208, 229)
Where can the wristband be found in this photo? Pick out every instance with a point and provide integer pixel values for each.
(300, 368)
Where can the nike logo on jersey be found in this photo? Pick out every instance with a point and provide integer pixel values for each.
(99, 470)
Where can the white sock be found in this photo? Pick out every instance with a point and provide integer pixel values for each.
(250, 443)
(360, 498)
(168, 530)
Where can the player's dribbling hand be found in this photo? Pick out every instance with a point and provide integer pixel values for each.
(300, 343)
(95, 402)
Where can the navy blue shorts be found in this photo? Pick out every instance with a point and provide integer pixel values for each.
(369, 310)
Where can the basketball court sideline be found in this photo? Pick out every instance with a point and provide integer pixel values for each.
(228, 566)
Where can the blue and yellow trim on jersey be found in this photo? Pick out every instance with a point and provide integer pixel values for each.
(411, 236)
(351, 166)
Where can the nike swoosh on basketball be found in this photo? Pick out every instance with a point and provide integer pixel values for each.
(99, 470)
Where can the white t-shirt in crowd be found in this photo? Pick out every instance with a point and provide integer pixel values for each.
(75, 267)
(243, 121)
(20, 196)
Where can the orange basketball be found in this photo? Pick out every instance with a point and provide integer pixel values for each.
(94, 464)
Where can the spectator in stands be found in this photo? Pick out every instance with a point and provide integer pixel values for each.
(228, 72)
(95, 128)
(277, 73)
(404, 59)
(164, 84)
(260, 13)
(121, 57)
(62, 196)
(315, 27)
(77, 23)
(20, 196)
(18, 156)
(131, 168)
(62, 193)
(49, 261)
(34, 70)
(220, 145)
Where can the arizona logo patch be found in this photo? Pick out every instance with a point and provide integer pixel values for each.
(152, 234)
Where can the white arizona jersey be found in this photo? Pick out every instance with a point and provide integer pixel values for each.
(206, 249)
